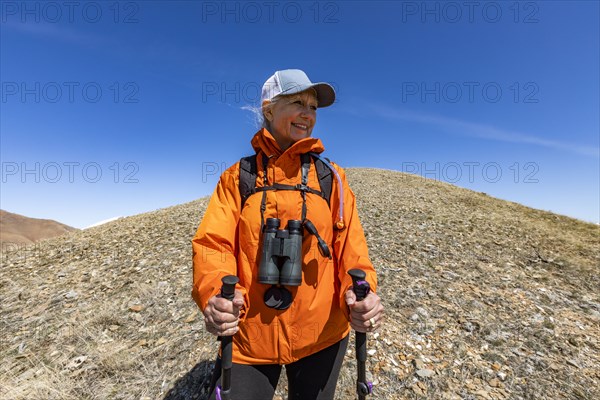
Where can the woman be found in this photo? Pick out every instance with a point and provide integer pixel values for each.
(301, 319)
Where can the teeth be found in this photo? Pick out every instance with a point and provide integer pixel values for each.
(300, 126)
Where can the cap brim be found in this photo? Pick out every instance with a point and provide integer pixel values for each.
(325, 92)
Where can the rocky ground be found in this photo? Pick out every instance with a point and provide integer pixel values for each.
(485, 299)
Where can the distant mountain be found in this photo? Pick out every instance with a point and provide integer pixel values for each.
(18, 230)
(485, 299)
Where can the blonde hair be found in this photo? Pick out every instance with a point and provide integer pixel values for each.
(258, 116)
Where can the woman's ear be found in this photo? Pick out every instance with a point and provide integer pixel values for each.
(267, 110)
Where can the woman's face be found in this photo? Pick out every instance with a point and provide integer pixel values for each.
(292, 117)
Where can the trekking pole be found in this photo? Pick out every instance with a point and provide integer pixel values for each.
(224, 391)
(361, 288)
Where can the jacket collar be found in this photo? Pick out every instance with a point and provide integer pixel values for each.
(264, 141)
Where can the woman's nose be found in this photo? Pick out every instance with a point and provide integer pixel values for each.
(308, 112)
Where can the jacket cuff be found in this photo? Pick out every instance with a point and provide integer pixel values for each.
(244, 309)
(344, 306)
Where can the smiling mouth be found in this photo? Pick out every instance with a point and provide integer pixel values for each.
(301, 126)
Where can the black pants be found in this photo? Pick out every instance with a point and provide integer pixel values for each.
(312, 377)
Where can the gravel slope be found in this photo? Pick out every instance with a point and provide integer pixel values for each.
(486, 299)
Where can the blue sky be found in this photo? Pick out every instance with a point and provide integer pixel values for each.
(117, 108)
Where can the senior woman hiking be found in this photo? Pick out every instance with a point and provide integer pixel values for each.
(285, 223)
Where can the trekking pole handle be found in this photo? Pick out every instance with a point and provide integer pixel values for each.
(228, 288)
(224, 391)
(360, 287)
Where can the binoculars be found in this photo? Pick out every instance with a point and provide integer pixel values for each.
(281, 259)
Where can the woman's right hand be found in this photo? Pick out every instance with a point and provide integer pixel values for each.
(221, 316)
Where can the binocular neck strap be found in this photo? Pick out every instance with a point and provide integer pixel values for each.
(305, 159)
(263, 203)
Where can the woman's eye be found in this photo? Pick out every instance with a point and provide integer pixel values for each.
(313, 107)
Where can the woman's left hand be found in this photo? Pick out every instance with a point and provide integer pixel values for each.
(365, 315)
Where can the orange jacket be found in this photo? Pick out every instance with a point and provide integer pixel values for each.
(228, 242)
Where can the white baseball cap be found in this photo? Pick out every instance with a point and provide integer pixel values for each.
(290, 81)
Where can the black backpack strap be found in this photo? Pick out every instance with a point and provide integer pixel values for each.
(248, 174)
(325, 179)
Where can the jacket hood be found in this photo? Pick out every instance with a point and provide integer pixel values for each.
(263, 141)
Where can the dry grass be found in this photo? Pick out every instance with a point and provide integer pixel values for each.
(497, 299)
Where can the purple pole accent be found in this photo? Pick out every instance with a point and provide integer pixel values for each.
(218, 392)
(362, 289)
(370, 386)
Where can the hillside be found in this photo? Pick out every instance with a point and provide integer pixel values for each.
(485, 299)
(17, 230)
